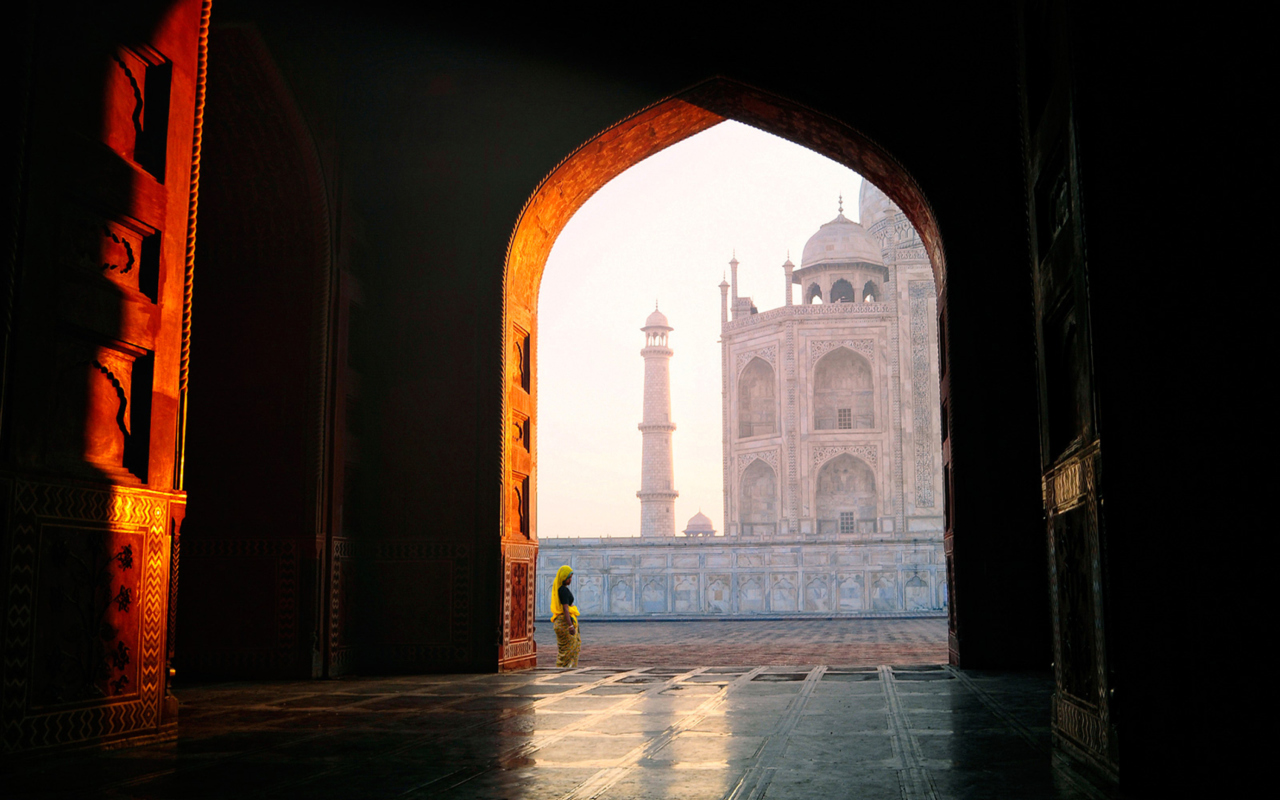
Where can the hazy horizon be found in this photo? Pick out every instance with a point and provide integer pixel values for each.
(663, 230)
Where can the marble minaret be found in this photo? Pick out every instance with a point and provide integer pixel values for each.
(657, 485)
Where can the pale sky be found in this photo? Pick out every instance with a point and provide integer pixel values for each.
(664, 229)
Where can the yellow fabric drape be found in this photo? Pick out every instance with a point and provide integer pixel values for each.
(568, 645)
(556, 608)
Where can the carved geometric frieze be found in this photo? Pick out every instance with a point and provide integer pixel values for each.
(769, 457)
(820, 348)
(866, 452)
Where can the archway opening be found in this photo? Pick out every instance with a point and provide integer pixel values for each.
(565, 191)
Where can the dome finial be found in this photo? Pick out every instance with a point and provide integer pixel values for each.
(840, 204)
(655, 304)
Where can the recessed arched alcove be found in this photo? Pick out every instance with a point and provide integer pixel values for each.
(757, 405)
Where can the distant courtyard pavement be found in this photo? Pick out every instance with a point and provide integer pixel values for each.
(848, 642)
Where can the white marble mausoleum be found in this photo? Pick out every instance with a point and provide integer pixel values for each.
(833, 485)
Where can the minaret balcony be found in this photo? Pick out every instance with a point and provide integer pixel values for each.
(658, 494)
(656, 427)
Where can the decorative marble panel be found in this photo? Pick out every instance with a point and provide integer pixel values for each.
(783, 594)
(718, 597)
(685, 594)
(850, 591)
(821, 455)
(750, 593)
(817, 594)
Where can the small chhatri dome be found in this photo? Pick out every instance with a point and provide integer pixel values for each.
(656, 320)
(699, 525)
(840, 241)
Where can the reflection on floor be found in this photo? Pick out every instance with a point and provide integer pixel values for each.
(651, 732)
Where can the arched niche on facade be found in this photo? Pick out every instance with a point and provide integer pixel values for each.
(842, 292)
(870, 292)
(758, 499)
(845, 497)
(757, 400)
(843, 392)
(813, 294)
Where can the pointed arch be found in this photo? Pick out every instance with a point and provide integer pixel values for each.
(598, 161)
(842, 292)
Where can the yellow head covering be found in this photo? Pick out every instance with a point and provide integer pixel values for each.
(556, 608)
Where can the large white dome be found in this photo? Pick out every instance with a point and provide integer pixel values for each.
(840, 241)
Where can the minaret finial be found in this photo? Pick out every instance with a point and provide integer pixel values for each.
(655, 304)
(840, 208)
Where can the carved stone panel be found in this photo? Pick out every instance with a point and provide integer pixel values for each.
(621, 594)
(718, 597)
(518, 648)
(783, 594)
(653, 594)
(88, 644)
(851, 594)
(750, 593)
(86, 620)
(519, 615)
(916, 594)
(589, 596)
(884, 591)
(685, 594)
(817, 594)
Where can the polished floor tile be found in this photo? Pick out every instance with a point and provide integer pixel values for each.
(686, 733)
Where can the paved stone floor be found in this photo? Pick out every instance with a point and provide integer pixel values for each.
(676, 731)
(862, 642)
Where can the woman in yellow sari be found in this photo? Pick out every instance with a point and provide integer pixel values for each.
(564, 619)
